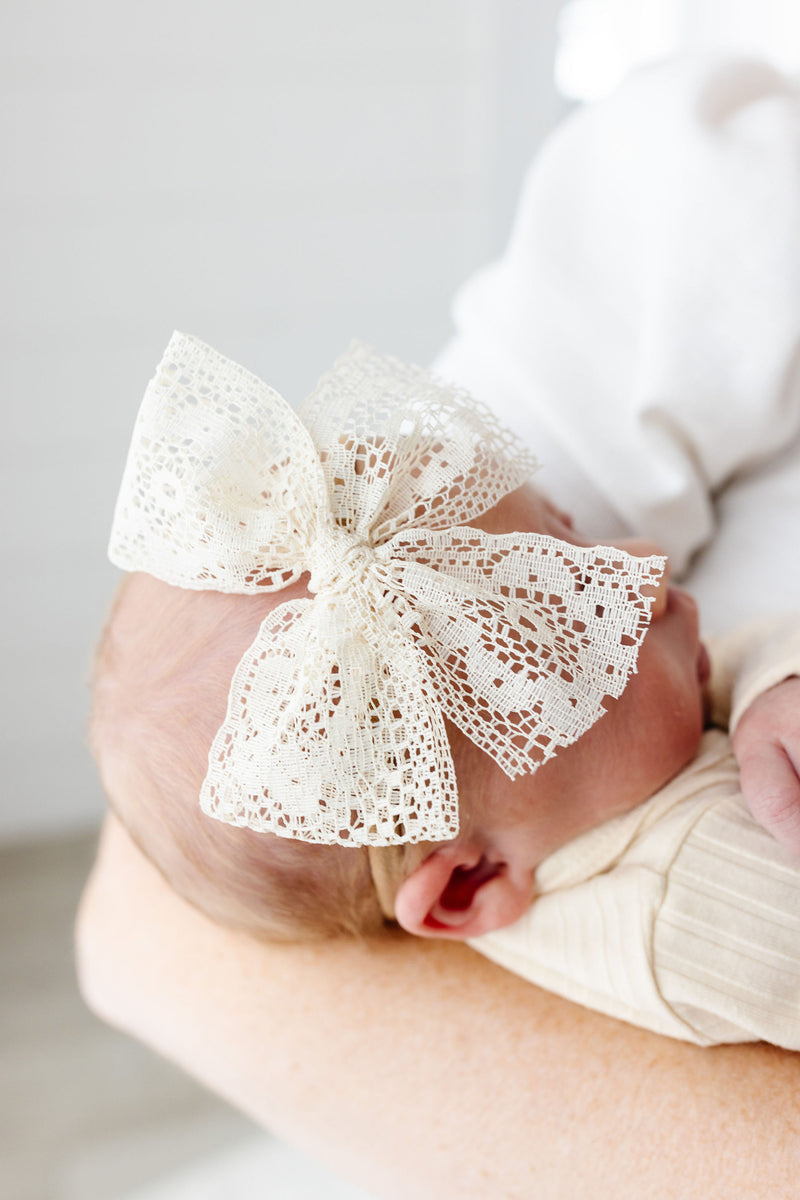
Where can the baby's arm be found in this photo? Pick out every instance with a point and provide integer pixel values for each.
(755, 693)
(766, 743)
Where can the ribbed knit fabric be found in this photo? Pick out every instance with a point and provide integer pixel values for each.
(727, 935)
(682, 916)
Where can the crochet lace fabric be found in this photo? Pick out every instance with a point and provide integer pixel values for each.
(335, 731)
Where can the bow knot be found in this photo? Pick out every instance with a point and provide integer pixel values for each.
(337, 558)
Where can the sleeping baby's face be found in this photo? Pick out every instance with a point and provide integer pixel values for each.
(645, 737)
(161, 691)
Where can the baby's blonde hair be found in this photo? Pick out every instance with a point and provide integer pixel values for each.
(160, 689)
(160, 686)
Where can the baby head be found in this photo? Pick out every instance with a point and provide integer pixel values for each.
(162, 677)
(161, 680)
(381, 635)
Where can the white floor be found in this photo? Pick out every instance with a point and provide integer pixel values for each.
(87, 1114)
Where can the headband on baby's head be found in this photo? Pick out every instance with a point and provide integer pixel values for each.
(335, 730)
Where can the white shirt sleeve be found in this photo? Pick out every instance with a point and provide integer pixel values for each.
(642, 331)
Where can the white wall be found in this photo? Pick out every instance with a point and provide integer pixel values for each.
(274, 177)
(600, 41)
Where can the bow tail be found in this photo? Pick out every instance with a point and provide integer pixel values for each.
(333, 733)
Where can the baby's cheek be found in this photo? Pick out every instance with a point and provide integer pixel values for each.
(684, 728)
(662, 736)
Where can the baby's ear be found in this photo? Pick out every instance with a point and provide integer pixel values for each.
(460, 891)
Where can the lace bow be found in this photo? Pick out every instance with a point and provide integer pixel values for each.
(335, 730)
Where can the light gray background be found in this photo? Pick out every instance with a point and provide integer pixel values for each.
(274, 177)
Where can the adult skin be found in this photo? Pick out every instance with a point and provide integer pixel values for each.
(420, 1069)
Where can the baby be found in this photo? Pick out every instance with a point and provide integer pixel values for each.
(480, 715)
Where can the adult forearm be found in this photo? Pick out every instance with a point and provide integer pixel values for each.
(421, 1069)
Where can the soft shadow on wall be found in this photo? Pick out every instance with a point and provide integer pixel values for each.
(274, 178)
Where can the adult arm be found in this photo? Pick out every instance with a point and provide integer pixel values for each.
(418, 1068)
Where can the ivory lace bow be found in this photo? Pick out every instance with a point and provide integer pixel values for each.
(335, 730)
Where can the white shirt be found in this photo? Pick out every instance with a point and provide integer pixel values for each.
(642, 331)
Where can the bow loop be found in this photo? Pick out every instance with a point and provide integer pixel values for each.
(222, 480)
(400, 448)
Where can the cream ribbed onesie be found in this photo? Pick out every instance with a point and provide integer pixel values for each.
(682, 916)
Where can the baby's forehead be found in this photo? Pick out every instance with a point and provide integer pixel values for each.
(528, 509)
(143, 600)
